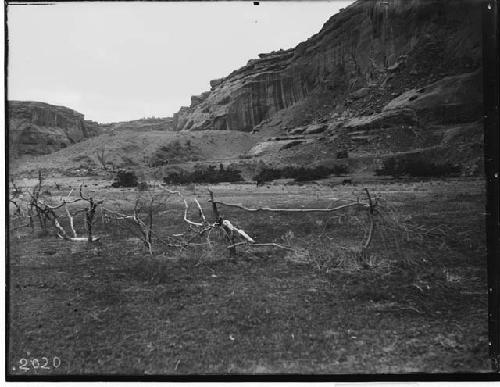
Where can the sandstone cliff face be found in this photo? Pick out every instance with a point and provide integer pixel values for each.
(39, 128)
(372, 48)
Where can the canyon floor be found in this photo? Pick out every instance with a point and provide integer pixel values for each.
(111, 308)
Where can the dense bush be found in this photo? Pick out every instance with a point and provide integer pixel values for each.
(211, 175)
(299, 173)
(143, 186)
(125, 179)
(343, 154)
(173, 152)
(416, 167)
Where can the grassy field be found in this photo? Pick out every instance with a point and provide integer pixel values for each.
(418, 304)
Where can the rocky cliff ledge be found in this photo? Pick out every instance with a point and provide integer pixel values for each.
(363, 57)
(39, 128)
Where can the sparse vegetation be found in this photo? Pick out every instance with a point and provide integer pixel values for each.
(101, 157)
(354, 274)
(143, 186)
(416, 167)
(299, 173)
(425, 269)
(211, 175)
(125, 178)
(173, 152)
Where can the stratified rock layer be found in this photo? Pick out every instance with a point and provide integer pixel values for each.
(37, 128)
(370, 49)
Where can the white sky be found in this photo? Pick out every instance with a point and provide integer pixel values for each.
(123, 61)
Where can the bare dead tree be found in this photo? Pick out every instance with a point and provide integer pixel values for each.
(19, 213)
(141, 220)
(90, 212)
(47, 212)
(101, 157)
(23, 209)
(34, 207)
(16, 191)
(14, 194)
(230, 230)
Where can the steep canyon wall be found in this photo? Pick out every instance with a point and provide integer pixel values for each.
(365, 45)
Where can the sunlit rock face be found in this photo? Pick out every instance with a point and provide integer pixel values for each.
(39, 128)
(367, 45)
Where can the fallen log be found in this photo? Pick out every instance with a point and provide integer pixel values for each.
(299, 210)
(79, 239)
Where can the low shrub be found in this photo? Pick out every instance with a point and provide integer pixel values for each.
(143, 186)
(416, 167)
(342, 154)
(299, 173)
(211, 175)
(125, 178)
(173, 152)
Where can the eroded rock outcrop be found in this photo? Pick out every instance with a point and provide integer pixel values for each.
(39, 128)
(453, 99)
(372, 49)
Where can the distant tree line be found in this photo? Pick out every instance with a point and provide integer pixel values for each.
(416, 167)
(299, 173)
(211, 175)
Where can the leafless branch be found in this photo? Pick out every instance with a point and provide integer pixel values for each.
(299, 210)
(372, 223)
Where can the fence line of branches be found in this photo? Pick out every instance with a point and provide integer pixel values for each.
(31, 205)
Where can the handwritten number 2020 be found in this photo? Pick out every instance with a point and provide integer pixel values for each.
(44, 363)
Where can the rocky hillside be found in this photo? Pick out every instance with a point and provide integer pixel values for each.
(37, 128)
(382, 80)
(394, 44)
(145, 124)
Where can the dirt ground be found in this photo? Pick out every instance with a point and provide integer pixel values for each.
(111, 308)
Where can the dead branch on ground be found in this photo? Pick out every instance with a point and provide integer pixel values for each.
(299, 210)
(232, 231)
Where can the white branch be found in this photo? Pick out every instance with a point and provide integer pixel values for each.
(185, 216)
(118, 215)
(83, 239)
(61, 233)
(372, 223)
(226, 223)
(291, 209)
(202, 215)
(71, 222)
